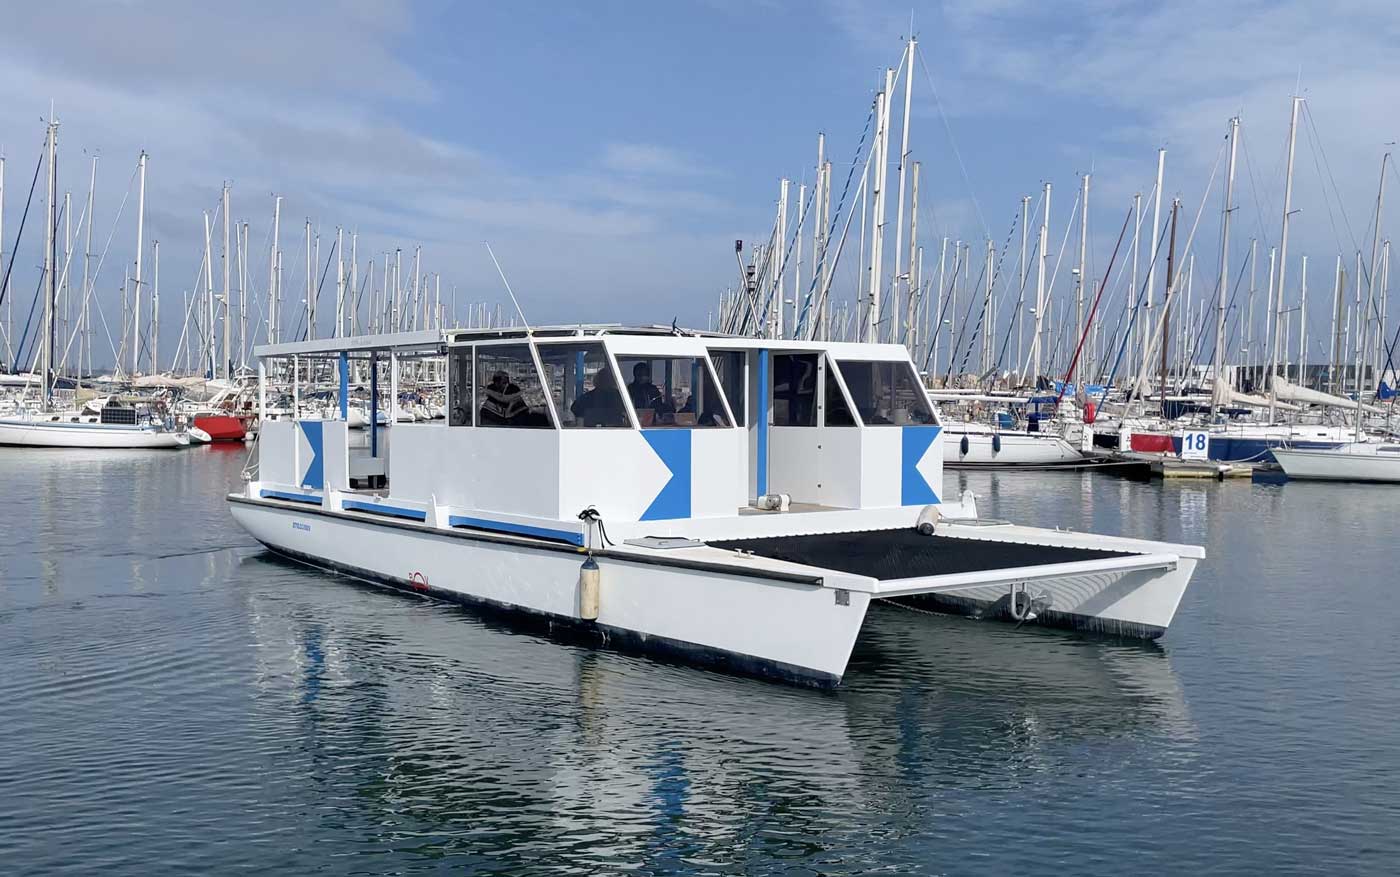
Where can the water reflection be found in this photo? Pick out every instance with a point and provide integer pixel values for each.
(512, 744)
(177, 700)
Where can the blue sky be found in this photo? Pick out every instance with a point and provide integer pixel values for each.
(612, 152)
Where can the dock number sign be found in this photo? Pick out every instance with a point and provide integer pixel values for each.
(1195, 445)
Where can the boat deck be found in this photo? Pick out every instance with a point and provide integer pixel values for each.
(906, 553)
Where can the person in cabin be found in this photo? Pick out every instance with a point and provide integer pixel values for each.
(602, 405)
(646, 396)
(503, 404)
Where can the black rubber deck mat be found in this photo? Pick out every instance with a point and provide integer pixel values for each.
(907, 553)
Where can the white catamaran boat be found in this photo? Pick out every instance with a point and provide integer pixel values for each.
(735, 502)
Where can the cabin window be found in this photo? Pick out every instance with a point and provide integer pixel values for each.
(673, 391)
(729, 366)
(460, 383)
(835, 412)
(583, 385)
(509, 389)
(886, 393)
(795, 389)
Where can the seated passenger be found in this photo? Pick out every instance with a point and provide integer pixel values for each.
(503, 405)
(646, 396)
(602, 405)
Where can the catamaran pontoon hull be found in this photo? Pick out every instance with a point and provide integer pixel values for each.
(758, 610)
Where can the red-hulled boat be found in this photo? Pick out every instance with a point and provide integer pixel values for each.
(222, 427)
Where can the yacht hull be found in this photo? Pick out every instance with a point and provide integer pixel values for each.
(985, 449)
(1340, 465)
(33, 433)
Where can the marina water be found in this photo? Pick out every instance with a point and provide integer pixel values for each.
(177, 700)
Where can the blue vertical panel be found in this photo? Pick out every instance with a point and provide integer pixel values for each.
(314, 477)
(914, 489)
(344, 385)
(578, 374)
(672, 446)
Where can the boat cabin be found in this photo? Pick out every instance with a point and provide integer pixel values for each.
(643, 425)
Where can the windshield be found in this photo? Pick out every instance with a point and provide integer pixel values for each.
(886, 393)
(673, 391)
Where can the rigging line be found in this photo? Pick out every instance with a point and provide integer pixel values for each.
(947, 299)
(316, 298)
(190, 306)
(826, 238)
(1020, 302)
(1307, 114)
(967, 317)
(1326, 199)
(1118, 284)
(62, 279)
(1259, 212)
(97, 272)
(1138, 309)
(1074, 362)
(1197, 347)
(5, 283)
(952, 141)
(1167, 299)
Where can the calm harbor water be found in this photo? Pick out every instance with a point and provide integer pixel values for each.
(175, 700)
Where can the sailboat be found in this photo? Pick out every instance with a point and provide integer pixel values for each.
(130, 424)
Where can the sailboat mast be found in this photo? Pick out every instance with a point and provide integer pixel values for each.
(1303, 325)
(208, 300)
(155, 307)
(310, 291)
(1166, 307)
(339, 282)
(84, 311)
(1218, 360)
(272, 264)
(1283, 256)
(226, 366)
(1037, 340)
(140, 246)
(1363, 324)
(1083, 257)
(50, 260)
(899, 207)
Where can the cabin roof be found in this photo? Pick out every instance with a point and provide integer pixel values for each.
(435, 342)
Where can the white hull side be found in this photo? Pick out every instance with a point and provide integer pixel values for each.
(1136, 603)
(1017, 449)
(1338, 465)
(37, 434)
(787, 630)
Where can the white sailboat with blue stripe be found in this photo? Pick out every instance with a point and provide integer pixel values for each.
(735, 502)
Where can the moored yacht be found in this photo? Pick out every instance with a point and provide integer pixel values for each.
(1353, 461)
(736, 502)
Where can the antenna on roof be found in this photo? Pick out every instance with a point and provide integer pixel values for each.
(513, 301)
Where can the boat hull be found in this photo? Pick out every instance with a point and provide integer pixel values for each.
(985, 449)
(1339, 465)
(788, 630)
(31, 433)
(221, 427)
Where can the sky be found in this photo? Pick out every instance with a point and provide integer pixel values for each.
(612, 152)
